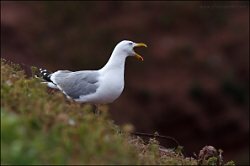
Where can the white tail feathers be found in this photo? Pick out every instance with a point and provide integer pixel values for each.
(50, 84)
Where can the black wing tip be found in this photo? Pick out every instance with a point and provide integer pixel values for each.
(45, 74)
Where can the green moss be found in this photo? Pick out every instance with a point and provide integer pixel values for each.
(212, 161)
(230, 163)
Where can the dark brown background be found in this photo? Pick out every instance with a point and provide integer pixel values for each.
(193, 84)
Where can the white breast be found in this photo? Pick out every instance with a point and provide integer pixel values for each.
(110, 88)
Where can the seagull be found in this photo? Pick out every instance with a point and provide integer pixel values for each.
(95, 87)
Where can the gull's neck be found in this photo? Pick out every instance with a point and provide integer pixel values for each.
(116, 62)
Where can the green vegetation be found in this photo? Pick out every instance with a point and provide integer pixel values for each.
(41, 127)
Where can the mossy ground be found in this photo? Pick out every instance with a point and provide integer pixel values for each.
(38, 127)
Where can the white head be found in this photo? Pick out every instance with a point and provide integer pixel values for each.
(127, 47)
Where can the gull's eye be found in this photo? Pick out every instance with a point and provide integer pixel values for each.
(130, 44)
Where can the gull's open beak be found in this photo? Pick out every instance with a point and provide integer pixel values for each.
(139, 45)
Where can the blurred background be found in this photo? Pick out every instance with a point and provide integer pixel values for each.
(193, 84)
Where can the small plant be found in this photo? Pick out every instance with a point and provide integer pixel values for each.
(33, 71)
(230, 163)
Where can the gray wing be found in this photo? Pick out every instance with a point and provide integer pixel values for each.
(75, 84)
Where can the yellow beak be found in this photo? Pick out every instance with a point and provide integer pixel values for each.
(139, 45)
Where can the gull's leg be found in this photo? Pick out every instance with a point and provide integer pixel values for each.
(97, 109)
